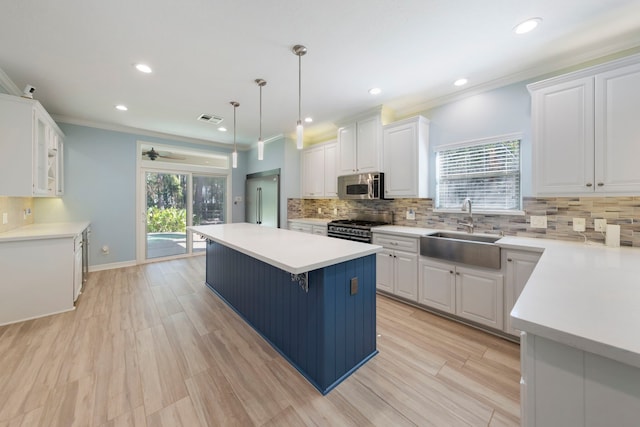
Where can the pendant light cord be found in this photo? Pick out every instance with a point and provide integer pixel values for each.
(299, 89)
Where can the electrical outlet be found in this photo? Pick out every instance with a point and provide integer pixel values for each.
(319, 210)
(600, 224)
(335, 211)
(579, 224)
(411, 214)
(5, 217)
(105, 250)
(538, 221)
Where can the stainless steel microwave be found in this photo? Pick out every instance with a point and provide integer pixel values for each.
(367, 186)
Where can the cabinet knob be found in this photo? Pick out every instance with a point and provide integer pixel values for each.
(600, 184)
(450, 271)
(457, 274)
(390, 254)
(509, 259)
(589, 184)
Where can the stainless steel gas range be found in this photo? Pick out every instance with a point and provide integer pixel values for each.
(359, 228)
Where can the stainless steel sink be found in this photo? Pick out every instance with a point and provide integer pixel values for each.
(472, 249)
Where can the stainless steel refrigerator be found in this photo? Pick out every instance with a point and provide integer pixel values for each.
(262, 195)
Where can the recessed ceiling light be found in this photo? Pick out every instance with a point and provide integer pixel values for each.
(528, 25)
(460, 82)
(308, 119)
(375, 91)
(222, 129)
(143, 68)
(121, 107)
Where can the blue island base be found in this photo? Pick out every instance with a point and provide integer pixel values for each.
(326, 333)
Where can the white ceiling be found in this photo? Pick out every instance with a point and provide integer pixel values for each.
(80, 56)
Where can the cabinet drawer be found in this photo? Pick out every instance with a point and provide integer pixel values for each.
(408, 244)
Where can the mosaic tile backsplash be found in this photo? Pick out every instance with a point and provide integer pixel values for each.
(560, 211)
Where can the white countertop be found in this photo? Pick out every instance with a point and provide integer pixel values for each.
(52, 230)
(583, 295)
(288, 250)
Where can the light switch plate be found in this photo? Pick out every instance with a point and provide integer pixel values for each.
(538, 221)
(579, 224)
(600, 224)
(5, 218)
(411, 214)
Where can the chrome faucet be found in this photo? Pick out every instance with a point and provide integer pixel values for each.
(469, 224)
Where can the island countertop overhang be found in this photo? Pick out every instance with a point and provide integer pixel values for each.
(288, 250)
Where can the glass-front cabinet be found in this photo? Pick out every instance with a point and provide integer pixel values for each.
(35, 166)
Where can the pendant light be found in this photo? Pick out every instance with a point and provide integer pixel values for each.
(299, 50)
(261, 83)
(234, 155)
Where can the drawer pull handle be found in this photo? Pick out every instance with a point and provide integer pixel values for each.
(589, 184)
(509, 259)
(600, 184)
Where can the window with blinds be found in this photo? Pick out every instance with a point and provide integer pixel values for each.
(487, 173)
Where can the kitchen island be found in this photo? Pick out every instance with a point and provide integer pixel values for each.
(313, 298)
(580, 351)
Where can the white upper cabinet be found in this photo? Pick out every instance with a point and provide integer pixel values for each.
(319, 170)
(31, 145)
(585, 131)
(359, 146)
(405, 152)
(617, 130)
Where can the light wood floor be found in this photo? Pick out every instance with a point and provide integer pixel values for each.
(151, 346)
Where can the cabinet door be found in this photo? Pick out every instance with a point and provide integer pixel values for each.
(40, 155)
(330, 170)
(347, 150)
(563, 122)
(77, 273)
(520, 265)
(400, 160)
(313, 172)
(368, 145)
(384, 270)
(60, 168)
(406, 275)
(479, 296)
(617, 140)
(437, 285)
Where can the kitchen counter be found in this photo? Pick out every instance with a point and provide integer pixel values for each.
(53, 230)
(313, 298)
(586, 296)
(288, 250)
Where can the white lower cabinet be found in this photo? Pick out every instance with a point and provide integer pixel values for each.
(397, 265)
(569, 387)
(519, 266)
(474, 294)
(305, 227)
(437, 285)
(479, 296)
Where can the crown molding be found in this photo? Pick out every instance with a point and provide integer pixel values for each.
(144, 132)
(545, 70)
(8, 85)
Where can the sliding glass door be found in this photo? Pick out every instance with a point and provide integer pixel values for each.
(209, 204)
(166, 214)
(172, 202)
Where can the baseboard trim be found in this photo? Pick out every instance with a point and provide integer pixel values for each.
(111, 266)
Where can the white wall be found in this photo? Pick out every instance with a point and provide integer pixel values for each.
(279, 153)
(497, 112)
(100, 187)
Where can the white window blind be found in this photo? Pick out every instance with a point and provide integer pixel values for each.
(488, 174)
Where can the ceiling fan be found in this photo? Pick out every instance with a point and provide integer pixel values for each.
(153, 154)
